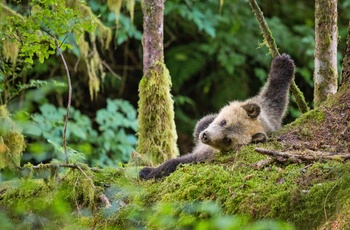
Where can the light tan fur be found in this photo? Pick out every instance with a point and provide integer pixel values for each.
(238, 129)
(238, 123)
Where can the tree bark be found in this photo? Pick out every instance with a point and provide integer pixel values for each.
(346, 62)
(153, 51)
(326, 34)
(157, 132)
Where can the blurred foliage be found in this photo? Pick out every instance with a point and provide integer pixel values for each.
(206, 215)
(12, 141)
(70, 198)
(109, 145)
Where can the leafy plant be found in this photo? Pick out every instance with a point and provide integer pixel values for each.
(109, 145)
(114, 123)
(45, 28)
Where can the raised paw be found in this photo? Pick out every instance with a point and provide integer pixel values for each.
(282, 70)
(283, 61)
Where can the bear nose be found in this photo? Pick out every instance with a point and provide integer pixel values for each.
(205, 137)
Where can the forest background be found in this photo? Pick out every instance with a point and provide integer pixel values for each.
(214, 53)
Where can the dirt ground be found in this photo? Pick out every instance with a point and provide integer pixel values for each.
(326, 129)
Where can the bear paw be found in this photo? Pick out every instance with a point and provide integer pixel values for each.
(283, 61)
(145, 173)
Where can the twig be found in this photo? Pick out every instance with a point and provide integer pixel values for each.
(76, 65)
(262, 163)
(110, 70)
(105, 200)
(271, 44)
(303, 158)
(87, 177)
(73, 166)
(69, 100)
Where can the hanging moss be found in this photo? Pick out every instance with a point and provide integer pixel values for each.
(10, 51)
(12, 141)
(157, 133)
(116, 5)
(89, 54)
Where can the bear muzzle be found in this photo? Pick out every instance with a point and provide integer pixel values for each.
(204, 137)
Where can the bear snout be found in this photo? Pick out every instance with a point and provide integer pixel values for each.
(204, 136)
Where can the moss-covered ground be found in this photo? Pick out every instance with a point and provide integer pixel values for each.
(229, 193)
(234, 191)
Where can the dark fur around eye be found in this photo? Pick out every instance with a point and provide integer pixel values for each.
(227, 140)
(223, 123)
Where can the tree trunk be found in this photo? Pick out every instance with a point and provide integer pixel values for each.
(326, 33)
(346, 62)
(157, 133)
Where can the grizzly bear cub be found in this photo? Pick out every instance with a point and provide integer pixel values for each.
(238, 123)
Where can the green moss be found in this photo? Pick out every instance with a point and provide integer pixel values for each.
(206, 194)
(290, 193)
(157, 132)
(311, 118)
(316, 116)
(12, 142)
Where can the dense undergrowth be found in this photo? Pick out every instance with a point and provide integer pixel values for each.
(229, 193)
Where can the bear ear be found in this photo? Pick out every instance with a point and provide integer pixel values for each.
(252, 109)
(259, 138)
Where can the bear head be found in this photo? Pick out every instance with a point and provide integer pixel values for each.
(236, 124)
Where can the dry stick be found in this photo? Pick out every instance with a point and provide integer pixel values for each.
(110, 70)
(270, 43)
(73, 166)
(69, 100)
(305, 158)
(262, 163)
(105, 200)
(87, 177)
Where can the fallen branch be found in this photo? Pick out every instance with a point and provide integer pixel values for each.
(53, 166)
(297, 158)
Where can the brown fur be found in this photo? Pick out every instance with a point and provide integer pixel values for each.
(238, 123)
(234, 126)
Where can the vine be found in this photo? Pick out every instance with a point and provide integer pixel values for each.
(271, 44)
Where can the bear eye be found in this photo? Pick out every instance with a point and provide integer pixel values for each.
(227, 140)
(223, 123)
